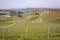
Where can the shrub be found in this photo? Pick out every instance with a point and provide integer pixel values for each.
(8, 19)
(33, 18)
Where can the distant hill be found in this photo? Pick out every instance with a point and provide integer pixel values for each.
(47, 14)
(52, 16)
(29, 9)
(25, 9)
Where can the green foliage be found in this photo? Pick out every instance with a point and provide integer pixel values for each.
(11, 37)
(13, 13)
(33, 18)
(8, 19)
(20, 14)
(2, 14)
(36, 31)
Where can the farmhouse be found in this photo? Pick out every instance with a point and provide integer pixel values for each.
(4, 13)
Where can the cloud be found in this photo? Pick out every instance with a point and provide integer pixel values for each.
(29, 3)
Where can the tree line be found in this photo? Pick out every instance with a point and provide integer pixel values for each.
(16, 13)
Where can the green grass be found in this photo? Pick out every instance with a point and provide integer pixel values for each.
(36, 31)
(51, 16)
(33, 18)
(6, 21)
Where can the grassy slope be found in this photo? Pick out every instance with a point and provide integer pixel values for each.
(28, 13)
(51, 16)
(33, 18)
(7, 21)
(36, 31)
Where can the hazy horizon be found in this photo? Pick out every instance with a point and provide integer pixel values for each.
(19, 4)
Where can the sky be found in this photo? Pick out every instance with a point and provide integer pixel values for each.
(15, 4)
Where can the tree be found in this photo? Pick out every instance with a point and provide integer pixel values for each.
(13, 13)
(20, 14)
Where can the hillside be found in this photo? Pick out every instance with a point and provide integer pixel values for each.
(51, 16)
(44, 15)
(32, 26)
